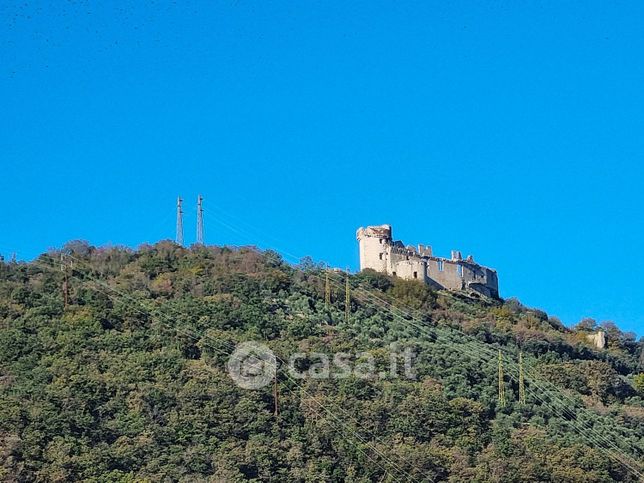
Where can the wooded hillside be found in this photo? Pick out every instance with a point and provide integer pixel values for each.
(128, 382)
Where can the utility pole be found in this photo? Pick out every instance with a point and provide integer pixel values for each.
(276, 395)
(501, 383)
(347, 301)
(179, 238)
(327, 291)
(200, 220)
(521, 381)
(63, 268)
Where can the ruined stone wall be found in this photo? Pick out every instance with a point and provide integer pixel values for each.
(379, 252)
(449, 277)
(598, 339)
(407, 266)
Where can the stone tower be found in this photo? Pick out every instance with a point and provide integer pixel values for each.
(374, 243)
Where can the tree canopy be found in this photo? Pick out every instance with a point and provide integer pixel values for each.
(128, 381)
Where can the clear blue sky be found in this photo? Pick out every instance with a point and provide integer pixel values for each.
(510, 130)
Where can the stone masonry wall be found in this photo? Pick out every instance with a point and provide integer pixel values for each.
(378, 251)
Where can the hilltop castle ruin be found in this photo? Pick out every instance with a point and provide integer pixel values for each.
(378, 251)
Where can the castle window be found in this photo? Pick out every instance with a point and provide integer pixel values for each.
(380, 255)
(459, 270)
(393, 273)
(415, 274)
(381, 241)
(440, 265)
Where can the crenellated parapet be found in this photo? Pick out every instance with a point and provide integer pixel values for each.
(379, 251)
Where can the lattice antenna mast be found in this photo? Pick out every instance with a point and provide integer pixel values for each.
(501, 382)
(521, 381)
(200, 220)
(347, 301)
(179, 238)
